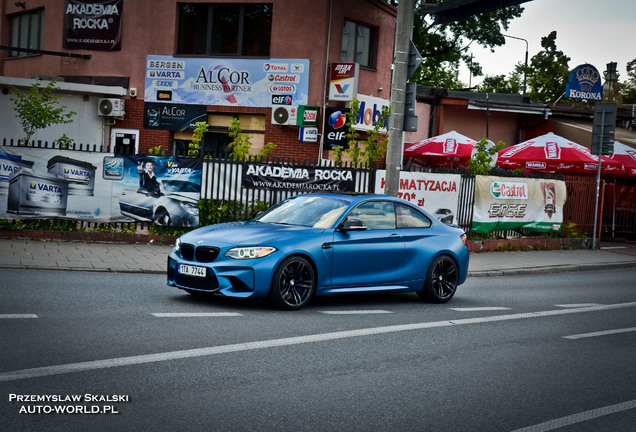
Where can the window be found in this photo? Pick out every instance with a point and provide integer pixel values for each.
(225, 29)
(408, 217)
(375, 215)
(357, 44)
(26, 32)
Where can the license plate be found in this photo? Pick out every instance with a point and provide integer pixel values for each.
(192, 270)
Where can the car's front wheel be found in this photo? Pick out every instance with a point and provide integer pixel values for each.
(163, 218)
(293, 284)
(441, 280)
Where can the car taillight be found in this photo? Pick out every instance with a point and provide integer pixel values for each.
(464, 238)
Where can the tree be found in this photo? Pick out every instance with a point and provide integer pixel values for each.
(512, 84)
(240, 145)
(484, 156)
(38, 109)
(444, 46)
(548, 71)
(628, 88)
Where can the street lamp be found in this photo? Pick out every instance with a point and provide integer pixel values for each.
(524, 71)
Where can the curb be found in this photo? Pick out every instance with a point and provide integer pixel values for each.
(565, 268)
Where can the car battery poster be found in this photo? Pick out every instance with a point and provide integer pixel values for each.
(47, 183)
(511, 203)
(438, 194)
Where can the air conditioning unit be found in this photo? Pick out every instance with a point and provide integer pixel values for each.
(110, 107)
(284, 115)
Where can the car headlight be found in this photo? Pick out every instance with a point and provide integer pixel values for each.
(177, 244)
(193, 209)
(250, 252)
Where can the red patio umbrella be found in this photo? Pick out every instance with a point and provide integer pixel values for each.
(552, 153)
(447, 150)
(626, 155)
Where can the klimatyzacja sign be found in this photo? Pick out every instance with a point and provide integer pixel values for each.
(436, 193)
(226, 81)
(506, 204)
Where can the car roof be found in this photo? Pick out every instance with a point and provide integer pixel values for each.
(355, 197)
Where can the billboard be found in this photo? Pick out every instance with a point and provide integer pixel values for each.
(503, 203)
(92, 25)
(226, 81)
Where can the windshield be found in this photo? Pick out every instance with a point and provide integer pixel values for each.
(306, 210)
(180, 186)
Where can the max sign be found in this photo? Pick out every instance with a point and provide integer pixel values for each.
(584, 83)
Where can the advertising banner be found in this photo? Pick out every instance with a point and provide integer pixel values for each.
(176, 117)
(512, 203)
(302, 179)
(46, 183)
(92, 25)
(343, 82)
(336, 128)
(370, 112)
(436, 193)
(225, 81)
(584, 83)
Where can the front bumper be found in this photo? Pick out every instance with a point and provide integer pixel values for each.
(223, 277)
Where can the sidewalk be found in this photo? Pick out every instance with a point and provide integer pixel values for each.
(150, 258)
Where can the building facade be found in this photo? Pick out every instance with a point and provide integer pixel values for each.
(138, 73)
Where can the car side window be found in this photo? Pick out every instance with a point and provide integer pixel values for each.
(376, 215)
(408, 217)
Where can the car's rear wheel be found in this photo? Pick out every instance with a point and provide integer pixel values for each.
(293, 284)
(441, 280)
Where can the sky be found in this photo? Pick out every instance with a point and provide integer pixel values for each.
(588, 31)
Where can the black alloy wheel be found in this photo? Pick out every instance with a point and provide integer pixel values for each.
(293, 285)
(441, 280)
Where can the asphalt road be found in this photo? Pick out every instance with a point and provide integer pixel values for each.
(534, 352)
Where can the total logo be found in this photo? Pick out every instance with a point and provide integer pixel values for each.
(275, 67)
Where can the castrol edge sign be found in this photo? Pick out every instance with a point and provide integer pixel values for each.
(343, 83)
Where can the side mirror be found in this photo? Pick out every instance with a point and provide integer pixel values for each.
(353, 225)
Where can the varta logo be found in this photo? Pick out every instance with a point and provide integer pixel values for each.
(45, 187)
(76, 172)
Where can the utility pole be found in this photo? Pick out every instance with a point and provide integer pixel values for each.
(406, 10)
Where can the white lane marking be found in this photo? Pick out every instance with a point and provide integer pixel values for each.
(575, 305)
(600, 333)
(11, 316)
(195, 314)
(579, 417)
(356, 312)
(273, 343)
(479, 309)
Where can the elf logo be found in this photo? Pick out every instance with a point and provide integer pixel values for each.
(281, 100)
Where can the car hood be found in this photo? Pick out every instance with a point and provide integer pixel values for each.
(244, 233)
(190, 197)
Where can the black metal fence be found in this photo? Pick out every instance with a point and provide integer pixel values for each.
(222, 181)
